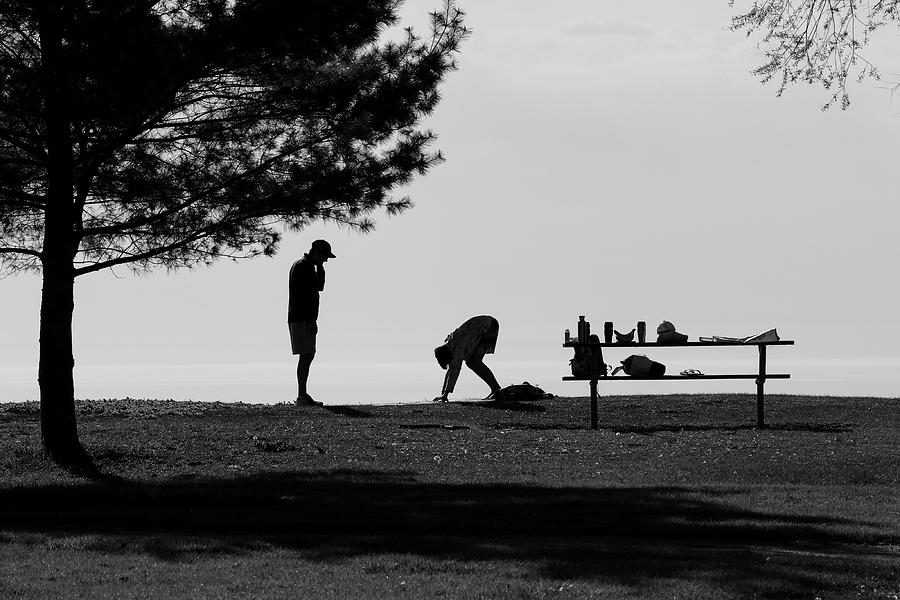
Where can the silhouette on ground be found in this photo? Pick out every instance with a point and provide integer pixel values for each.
(349, 411)
(506, 405)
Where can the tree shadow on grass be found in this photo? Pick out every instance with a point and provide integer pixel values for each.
(807, 427)
(431, 426)
(652, 428)
(625, 535)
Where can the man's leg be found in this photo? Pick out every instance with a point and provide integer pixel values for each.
(303, 362)
(476, 363)
(303, 344)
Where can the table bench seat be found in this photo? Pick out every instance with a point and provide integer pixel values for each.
(669, 377)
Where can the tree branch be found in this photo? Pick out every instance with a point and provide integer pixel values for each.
(140, 256)
(20, 251)
(21, 199)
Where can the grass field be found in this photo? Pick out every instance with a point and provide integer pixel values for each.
(673, 497)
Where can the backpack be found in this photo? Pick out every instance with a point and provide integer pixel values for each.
(524, 392)
(581, 362)
(584, 358)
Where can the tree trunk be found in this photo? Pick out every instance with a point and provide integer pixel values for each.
(59, 433)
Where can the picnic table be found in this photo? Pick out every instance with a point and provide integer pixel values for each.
(596, 376)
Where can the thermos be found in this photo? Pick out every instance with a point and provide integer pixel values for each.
(642, 332)
(582, 330)
(608, 332)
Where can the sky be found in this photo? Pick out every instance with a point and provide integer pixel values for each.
(609, 159)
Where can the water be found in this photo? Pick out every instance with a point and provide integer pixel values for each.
(390, 383)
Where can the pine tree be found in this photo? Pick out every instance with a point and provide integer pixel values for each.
(172, 133)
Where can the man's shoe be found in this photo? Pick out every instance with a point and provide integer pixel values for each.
(496, 396)
(306, 401)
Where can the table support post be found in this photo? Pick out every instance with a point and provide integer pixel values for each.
(760, 382)
(593, 404)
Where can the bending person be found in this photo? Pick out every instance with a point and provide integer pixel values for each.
(469, 343)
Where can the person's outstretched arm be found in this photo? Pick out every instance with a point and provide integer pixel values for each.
(450, 378)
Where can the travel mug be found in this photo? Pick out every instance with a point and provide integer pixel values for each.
(608, 332)
(642, 332)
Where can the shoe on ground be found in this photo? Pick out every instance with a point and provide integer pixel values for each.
(497, 396)
(306, 401)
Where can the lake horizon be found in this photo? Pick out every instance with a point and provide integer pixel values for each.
(406, 383)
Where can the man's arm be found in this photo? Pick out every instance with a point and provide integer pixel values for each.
(452, 375)
(320, 277)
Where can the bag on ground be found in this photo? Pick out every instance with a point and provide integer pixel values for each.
(524, 392)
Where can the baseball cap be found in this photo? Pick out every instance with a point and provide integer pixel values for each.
(323, 247)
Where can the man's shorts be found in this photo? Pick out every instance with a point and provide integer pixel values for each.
(303, 336)
(488, 342)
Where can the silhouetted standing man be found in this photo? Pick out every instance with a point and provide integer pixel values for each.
(307, 279)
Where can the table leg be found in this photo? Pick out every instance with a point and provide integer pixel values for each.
(760, 394)
(593, 404)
